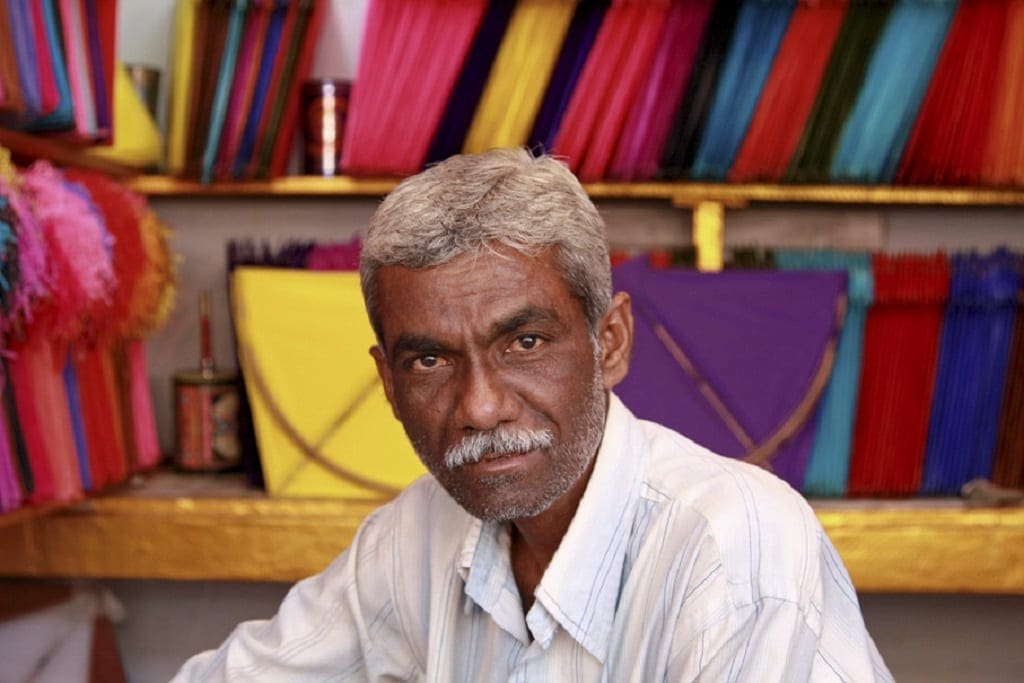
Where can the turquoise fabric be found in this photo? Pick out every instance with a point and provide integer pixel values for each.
(8, 255)
(829, 463)
(882, 118)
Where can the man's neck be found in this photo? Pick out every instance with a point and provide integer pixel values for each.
(535, 539)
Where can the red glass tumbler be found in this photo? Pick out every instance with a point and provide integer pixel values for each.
(324, 107)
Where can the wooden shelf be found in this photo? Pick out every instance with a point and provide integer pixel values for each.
(708, 201)
(288, 186)
(683, 194)
(211, 528)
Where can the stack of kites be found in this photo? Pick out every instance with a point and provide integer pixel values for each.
(901, 347)
(294, 254)
(889, 91)
(237, 70)
(976, 337)
(829, 464)
(86, 275)
(59, 77)
(845, 373)
(1008, 468)
(57, 68)
(695, 369)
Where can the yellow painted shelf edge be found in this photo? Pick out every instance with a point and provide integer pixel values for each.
(949, 549)
(191, 538)
(679, 193)
(912, 546)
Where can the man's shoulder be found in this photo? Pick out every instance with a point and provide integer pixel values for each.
(682, 470)
(762, 530)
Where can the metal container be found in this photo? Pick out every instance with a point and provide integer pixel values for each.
(206, 417)
(324, 104)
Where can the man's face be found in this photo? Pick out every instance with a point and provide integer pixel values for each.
(492, 370)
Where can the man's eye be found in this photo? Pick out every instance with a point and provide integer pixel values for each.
(527, 342)
(427, 362)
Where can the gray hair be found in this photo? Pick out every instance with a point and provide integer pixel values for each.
(473, 203)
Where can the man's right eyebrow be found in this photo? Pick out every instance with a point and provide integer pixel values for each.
(416, 343)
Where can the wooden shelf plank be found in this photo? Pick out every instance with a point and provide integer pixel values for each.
(681, 194)
(295, 186)
(210, 528)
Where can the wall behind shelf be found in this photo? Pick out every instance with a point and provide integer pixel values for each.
(203, 226)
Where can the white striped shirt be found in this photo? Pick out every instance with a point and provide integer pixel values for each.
(679, 565)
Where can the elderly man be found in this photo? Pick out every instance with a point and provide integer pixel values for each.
(559, 537)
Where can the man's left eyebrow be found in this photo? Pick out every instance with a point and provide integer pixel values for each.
(530, 315)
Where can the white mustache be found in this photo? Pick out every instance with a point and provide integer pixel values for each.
(502, 440)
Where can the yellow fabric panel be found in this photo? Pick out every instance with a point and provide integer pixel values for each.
(137, 141)
(181, 86)
(304, 341)
(520, 74)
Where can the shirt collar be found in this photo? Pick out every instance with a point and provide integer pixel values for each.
(486, 570)
(580, 588)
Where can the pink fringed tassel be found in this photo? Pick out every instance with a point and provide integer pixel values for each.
(121, 210)
(35, 278)
(147, 444)
(79, 248)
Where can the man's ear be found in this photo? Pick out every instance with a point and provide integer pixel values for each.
(615, 331)
(384, 372)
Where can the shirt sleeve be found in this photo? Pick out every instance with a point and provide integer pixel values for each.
(340, 625)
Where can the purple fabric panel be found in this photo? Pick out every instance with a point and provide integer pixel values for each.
(794, 456)
(650, 119)
(756, 337)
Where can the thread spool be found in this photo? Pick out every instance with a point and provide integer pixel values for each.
(206, 409)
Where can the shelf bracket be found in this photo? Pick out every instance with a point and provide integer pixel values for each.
(709, 235)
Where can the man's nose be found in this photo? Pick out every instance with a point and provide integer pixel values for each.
(485, 398)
